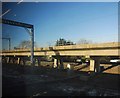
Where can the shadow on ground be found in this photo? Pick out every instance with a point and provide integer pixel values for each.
(33, 81)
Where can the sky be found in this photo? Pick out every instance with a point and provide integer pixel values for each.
(94, 21)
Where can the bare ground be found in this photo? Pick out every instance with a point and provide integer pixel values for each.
(33, 81)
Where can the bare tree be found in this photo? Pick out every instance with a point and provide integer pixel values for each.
(84, 41)
(26, 44)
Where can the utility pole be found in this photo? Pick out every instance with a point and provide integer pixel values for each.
(28, 27)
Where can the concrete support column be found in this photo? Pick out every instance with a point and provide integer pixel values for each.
(8, 59)
(4, 59)
(14, 60)
(55, 63)
(61, 63)
(92, 65)
(97, 65)
(18, 61)
(11, 60)
(39, 62)
(22, 61)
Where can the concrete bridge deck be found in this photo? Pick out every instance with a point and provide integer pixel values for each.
(102, 49)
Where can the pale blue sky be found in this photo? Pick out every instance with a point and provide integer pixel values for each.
(97, 22)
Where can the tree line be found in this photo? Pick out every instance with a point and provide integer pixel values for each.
(25, 44)
(62, 41)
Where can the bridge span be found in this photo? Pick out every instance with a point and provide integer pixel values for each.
(104, 49)
(87, 50)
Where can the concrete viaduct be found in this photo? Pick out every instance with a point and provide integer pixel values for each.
(87, 50)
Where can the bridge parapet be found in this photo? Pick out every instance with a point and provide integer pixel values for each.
(89, 46)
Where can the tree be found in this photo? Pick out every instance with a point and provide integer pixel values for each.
(69, 43)
(62, 42)
(26, 44)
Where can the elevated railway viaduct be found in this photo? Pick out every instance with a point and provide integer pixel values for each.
(92, 51)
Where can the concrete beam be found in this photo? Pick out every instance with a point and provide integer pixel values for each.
(97, 52)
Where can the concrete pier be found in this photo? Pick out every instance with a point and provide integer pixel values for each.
(8, 59)
(39, 62)
(55, 63)
(95, 64)
(18, 60)
(92, 65)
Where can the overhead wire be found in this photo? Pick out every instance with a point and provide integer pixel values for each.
(19, 2)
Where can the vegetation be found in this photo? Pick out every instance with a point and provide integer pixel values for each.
(62, 42)
(84, 41)
(25, 44)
